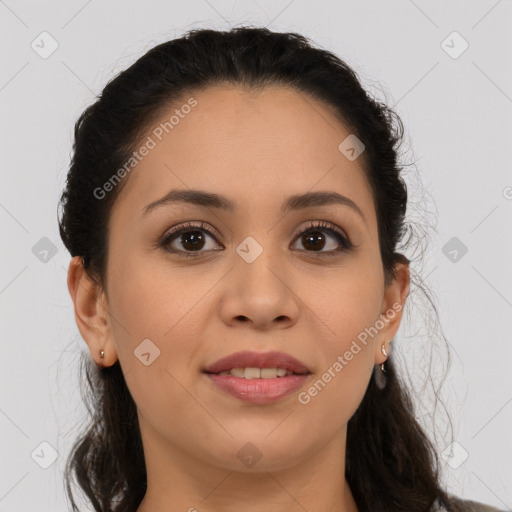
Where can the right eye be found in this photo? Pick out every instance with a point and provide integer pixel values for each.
(190, 236)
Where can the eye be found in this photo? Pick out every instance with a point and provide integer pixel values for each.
(314, 238)
(193, 238)
(190, 236)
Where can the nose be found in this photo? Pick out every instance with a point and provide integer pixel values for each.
(259, 294)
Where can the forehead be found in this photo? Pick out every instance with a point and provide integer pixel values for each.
(255, 147)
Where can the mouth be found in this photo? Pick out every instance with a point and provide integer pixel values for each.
(256, 365)
(258, 373)
(258, 378)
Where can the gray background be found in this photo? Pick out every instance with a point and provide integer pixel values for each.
(457, 113)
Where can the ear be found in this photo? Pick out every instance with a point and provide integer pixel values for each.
(395, 295)
(91, 313)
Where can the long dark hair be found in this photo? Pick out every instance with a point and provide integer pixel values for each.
(391, 464)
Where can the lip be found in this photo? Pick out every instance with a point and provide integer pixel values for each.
(258, 391)
(251, 359)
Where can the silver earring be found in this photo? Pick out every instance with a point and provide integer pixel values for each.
(102, 353)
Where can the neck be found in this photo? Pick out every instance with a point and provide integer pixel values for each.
(178, 481)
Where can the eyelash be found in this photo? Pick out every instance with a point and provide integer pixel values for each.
(346, 244)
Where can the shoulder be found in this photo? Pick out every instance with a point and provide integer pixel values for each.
(473, 506)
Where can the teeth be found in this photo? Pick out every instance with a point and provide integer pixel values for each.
(252, 373)
(267, 373)
(257, 373)
(236, 372)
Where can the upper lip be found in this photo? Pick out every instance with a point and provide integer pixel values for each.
(248, 359)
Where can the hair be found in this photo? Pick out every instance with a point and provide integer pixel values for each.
(391, 464)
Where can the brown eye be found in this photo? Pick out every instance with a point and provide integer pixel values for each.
(190, 237)
(313, 240)
(316, 236)
(320, 238)
(192, 240)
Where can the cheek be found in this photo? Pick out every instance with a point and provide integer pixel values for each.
(347, 353)
(151, 302)
(346, 313)
(147, 297)
(141, 313)
(149, 307)
(137, 305)
(345, 305)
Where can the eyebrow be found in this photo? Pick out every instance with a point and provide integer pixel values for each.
(292, 203)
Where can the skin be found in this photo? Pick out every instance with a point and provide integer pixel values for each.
(256, 149)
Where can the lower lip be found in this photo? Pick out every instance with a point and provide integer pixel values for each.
(258, 391)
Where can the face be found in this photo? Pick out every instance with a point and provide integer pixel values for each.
(306, 282)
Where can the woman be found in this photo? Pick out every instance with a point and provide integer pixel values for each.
(233, 209)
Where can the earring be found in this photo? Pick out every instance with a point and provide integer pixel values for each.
(380, 376)
(383, 350)
(102, 353)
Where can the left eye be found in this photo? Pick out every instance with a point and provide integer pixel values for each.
(313, 237)
(192, 239)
